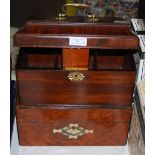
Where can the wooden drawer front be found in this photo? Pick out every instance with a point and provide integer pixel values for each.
(106, 126)
(53, 87)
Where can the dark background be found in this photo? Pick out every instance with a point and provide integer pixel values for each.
(141, 11)
(21, 10)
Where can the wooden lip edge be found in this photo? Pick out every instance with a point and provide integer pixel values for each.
(68, 71)
(115, 22)
(65, 46)
(67, 36)
(71, 106)
(70, 46)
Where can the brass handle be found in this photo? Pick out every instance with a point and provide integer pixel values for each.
(75, 76)
(90, 15)
(81, 5)
(73, 131)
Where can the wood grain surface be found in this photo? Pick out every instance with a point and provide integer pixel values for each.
(36, 87)
(54, 34)
(75, 58)
(110, 126)
(48, 99)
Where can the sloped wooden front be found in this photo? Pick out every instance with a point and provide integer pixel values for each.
(46, 87)
(108, 126)
(58, 34)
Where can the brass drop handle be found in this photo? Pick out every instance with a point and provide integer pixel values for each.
(75, 76)
(79, 5)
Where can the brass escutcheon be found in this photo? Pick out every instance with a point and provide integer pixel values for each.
(75, 76)
(73, 131)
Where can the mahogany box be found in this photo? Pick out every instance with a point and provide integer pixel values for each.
(75, 83)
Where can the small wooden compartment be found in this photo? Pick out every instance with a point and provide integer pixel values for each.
(95, 59)
(111, 59)
(40, 58)
(106, 82)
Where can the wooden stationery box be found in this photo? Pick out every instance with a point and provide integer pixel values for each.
(65, 101)
(49, 100)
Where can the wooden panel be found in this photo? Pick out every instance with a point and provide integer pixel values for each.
(97, 42)
(109, 62)
(37, 87)
(40, 60)
(81, 28)
(77, 58)
(55, 34)
(48, 115)
(110, 126)
(41, 135)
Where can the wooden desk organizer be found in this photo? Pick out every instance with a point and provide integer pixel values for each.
(75, 83)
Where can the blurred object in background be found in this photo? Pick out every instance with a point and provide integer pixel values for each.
(107, 8)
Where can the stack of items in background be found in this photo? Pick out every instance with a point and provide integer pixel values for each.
(125, 9)
(137, 129)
